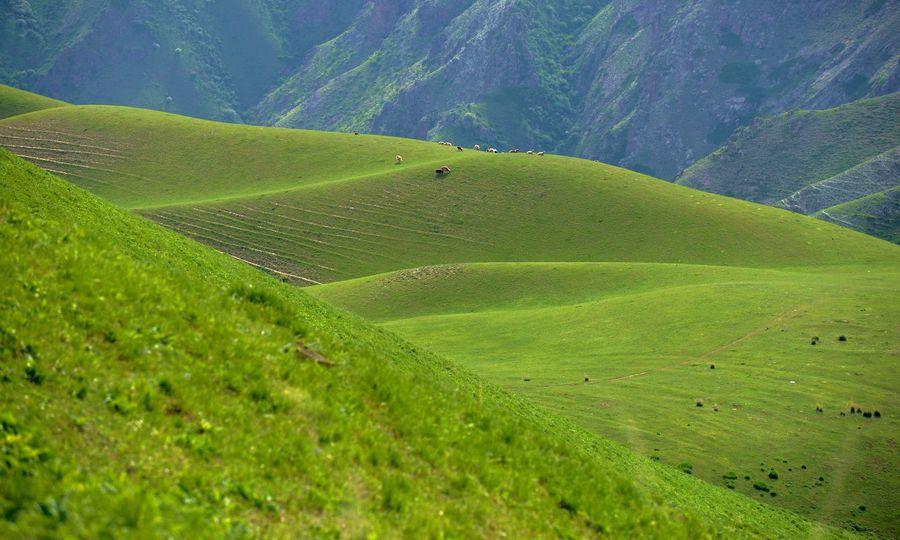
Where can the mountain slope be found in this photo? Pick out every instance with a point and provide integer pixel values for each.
(125, 424)
(776, 157)
(648, 85)
(715, 272)
(877, 214)
(871, 176)
(209, 59)
(14, 102)
(808, 160)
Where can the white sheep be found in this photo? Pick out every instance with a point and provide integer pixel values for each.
(399, 158)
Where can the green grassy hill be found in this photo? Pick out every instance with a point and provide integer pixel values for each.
(627, 351)
(877, 214)
(153, 387)
(14, 102)
(553, 269)
(327, 206)
(808, 160)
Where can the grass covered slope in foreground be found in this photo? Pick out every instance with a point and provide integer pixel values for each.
(152, 385)
(14, 102)
(707, 368)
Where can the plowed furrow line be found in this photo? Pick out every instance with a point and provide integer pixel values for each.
(274, 271)
(67, 164)
(60, 150)
(281, 228)
(353, 208)
(237, 242)
(58, 141)
(89, 179)
(362, 233)
(388, 225)
(279, 236)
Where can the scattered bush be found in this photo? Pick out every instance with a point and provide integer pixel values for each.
(761, 486)
(773, 475)
(166, 387)
(842, 338)
(33, 376)
(877, 414)
(699, 402)
(686, 468)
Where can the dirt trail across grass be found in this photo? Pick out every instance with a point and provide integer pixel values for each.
(709, 354)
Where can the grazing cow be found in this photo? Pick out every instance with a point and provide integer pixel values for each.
(540, 153)
(356, 133)
(399, 158)
(459, 148)
(445, 169)
(514, 151)
(530, 152)
(492, 150)
(477, 147)
(439, 171)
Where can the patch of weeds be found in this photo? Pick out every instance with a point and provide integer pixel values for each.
(567, 505)
(686, 468)
(166, 387)
(265, 401)
(118, 403)
(33, 375)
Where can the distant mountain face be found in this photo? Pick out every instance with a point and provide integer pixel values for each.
(651, 85)
(816, 163)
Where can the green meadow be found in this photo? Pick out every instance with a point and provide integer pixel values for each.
(716, 339)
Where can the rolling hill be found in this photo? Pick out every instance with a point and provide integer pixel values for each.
(808, 161)
(154, 387)
(14, 102)
(610, 291)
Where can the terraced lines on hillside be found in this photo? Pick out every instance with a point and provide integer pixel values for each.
(73, 155)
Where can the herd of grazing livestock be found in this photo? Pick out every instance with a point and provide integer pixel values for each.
(446, 170)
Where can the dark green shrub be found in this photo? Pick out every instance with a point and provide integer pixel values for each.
(761, 486)
(33, 376)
